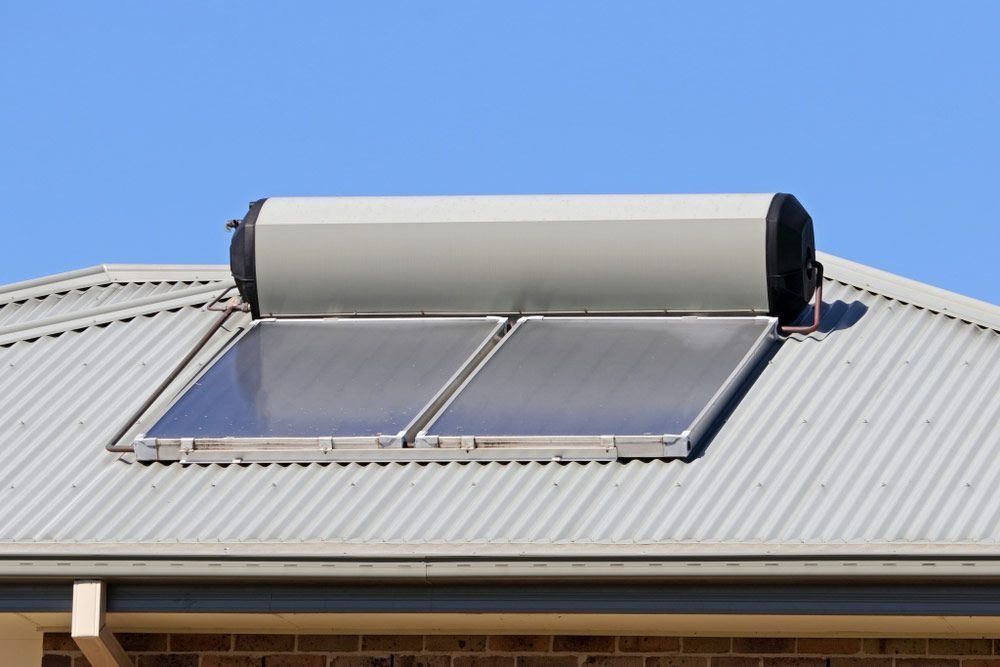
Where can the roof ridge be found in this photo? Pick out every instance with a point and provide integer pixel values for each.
(111, 273)
(907, 290)
(190, 295)
(864, 277)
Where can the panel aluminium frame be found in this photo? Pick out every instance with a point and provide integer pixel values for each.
(606, 446)
(309, 449)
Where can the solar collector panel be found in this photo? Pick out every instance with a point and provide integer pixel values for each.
(334, 377)
(445, 389)
(590, 376)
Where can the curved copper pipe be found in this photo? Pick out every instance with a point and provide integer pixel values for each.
(817, 307)
(231, 307)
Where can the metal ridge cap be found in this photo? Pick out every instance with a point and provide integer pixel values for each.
(911, 291)
(111, 273)
(119, 310)
(13, 291)
(167, 272)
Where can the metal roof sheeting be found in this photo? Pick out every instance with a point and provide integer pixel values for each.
(55, 313)
(878, 435)
(104, 274)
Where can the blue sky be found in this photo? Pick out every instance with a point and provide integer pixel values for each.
(132, 131)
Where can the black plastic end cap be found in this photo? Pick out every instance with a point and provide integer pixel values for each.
(242, 258)
(791, 250)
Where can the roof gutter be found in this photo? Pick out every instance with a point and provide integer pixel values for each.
(821, 587)
(458, 569)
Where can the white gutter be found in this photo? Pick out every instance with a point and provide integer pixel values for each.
(429, 570)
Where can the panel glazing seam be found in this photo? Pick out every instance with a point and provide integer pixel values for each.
(422, 438)
(456, 381)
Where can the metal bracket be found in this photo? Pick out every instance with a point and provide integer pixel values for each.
(395, 441)
(677, 446)
(424, 441)
(145, 448)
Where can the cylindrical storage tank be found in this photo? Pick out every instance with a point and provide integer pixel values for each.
(707, 254)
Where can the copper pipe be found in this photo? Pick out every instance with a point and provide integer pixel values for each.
(817, 306)
(234, 305)
(222, 295)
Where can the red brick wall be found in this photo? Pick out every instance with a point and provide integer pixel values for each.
(223, 650)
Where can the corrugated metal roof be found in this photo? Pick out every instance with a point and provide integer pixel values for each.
(879, 434)
(104, 274)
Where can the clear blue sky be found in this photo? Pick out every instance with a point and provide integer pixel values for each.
(132, 131)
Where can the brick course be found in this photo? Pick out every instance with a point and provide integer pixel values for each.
(828, 645)
(706, 644)
(649, 644)
(311, 650)
(328, 643)
(520, 643)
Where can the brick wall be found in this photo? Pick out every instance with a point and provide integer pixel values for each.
(224, 650)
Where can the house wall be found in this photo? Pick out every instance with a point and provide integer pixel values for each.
(20, 641)
(21, 651)
(325, 650)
